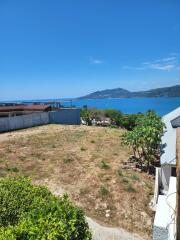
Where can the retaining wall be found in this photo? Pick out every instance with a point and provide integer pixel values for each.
(64, 116)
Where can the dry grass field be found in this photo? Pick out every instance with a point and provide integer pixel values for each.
(87, 163)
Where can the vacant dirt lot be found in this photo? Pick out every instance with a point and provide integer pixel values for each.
(86, 162)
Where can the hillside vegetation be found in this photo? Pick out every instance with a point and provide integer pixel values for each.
(173, 91)
(89, 163)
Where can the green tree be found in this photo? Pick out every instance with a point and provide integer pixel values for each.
(145, 138)
(114, 115)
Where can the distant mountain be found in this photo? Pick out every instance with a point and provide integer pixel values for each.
(173, 91)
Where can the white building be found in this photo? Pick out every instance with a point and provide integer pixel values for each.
(164, 202)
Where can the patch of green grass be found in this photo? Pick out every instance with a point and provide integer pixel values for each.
(104, 165)
(13, 169)
(120, 173)
(125, 180)
(2, 173)
(67, 160)
(148, 185)
(103, 191)
(135, 177)
(129, 188)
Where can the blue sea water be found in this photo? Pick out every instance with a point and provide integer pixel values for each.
(162, 105)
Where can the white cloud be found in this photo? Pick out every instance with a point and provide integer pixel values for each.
(169, 63)
(165, 67)
(167, 59)
(133, 68)
(95, 60)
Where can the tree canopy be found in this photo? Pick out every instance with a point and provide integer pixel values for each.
(145, 138)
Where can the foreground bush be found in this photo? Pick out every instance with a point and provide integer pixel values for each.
(32, 212)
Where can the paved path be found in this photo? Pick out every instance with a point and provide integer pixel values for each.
(99, 231)
(106, 233)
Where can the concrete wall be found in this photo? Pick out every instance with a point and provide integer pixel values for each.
(156, 187)
(164, 222)
(165, 176)
(65, 116)
(24, 121)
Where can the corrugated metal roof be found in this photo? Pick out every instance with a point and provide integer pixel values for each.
(169, 138)
(25, 108)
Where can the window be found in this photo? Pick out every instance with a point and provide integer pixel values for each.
(173, 171)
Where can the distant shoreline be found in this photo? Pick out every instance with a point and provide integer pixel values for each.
(173, 91)
(78, 99)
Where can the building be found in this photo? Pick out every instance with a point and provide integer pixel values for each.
(102, 121)
(164, 202)
(24, 116)
(10, 111)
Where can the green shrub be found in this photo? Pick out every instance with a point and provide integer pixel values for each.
(104, 191)
(104, 165)
(32, 212)
(125, 180)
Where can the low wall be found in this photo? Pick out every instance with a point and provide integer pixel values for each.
(156, 187)
(64, 116)
(24, 121)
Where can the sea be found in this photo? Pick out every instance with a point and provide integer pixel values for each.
(162, 105)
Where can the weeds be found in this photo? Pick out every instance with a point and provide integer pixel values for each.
(135, 177)
(120, 173)
(104, 165)
(13, 169)
(129, 188)
(125, 180)
(104, 191)
(67, 160)
(83, 149)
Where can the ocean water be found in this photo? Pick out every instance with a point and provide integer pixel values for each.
(162, 105)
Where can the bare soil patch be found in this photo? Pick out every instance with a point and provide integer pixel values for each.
(87, 163)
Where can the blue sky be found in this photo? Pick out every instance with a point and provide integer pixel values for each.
(68, 48)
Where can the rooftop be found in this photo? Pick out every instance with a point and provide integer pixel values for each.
(169, 138)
